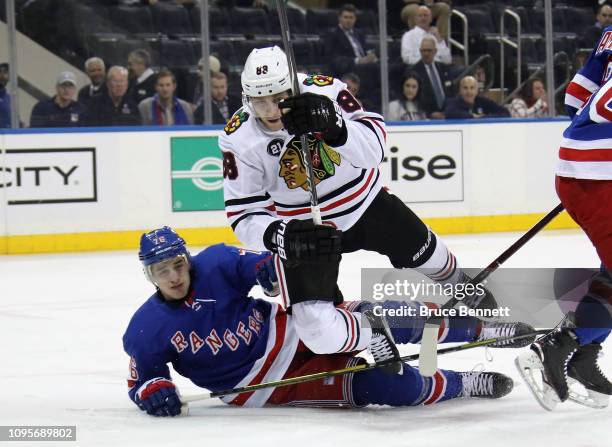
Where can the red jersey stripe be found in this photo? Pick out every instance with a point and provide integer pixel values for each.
(585, 154)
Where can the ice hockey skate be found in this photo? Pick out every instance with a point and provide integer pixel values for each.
(382, 347)
(485, 385)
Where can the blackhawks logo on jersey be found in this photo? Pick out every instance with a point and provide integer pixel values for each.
(236, 121)
(318, 80)
(292, 166)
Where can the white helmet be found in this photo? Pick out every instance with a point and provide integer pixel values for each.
(266, 72)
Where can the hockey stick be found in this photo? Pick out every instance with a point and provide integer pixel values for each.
(351, 369)
(284, 24)
(428, 359)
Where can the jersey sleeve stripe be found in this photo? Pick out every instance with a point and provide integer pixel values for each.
(235, 223)
(371, 127)
(376, 121)
(584, 82)
(235, 213)
(247, 200)
(572, 101)
(578, 91)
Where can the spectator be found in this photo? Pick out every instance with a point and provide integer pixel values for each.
(346, 46)
(440, 12)
(469, 104)
(591, 35)
(165, 109)
(214, 66)
(96, 71)
(114, 107)
(411, 40)
(61, 110)
(435, 78)
(409, 106)
(353, 85)
(142, 77)
(5, 99)
(531, 102)
(223, 106)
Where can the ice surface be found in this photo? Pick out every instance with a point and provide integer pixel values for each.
(62, 318)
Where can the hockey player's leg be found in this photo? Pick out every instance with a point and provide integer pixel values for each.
(410, 389)
(573, 353)
(407, 320)
(390, 228)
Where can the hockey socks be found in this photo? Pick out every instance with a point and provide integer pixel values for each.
(374, 387)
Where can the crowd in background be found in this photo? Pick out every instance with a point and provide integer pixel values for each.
(430, 88)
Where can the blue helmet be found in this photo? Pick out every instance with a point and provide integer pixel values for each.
(159, 245)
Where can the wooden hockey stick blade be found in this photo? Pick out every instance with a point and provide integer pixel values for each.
(428, 358)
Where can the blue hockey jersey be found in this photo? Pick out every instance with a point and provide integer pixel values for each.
(218, 337)
(595, 72)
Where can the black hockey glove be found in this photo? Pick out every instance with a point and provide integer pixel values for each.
(309, 113)
(299, 241)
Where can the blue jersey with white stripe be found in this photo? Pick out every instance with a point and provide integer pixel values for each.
(218, 336)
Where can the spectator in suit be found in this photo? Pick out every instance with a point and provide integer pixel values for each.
(411, 40)
(142, 76)
(409, 105)
(531, 101)
(96, 71)
(61, 110)
(345, 46)
(223, 105)
(5, 99)
(114, 107)
(436, 82)
(164, 108)
(469, 104)
(591, 35)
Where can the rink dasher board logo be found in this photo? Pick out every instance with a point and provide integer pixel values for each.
(424, 166)
(48, 176)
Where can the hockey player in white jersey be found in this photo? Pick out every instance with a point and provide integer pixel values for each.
(267, 196)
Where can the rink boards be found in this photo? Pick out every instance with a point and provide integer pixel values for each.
(98, 189)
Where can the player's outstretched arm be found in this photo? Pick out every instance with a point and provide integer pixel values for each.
(158, 397)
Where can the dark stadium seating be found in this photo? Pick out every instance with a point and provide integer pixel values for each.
(250, 21)
(170, 19)
(320, 21)
(296, 19)
(132, 19)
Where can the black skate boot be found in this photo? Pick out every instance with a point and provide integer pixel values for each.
(485, 385)
(491, 330)
(583, 368)
(382, 346)
(555, 351)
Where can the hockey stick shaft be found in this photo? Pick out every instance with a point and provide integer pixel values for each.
(351, 369)
(284, 24)
(427, 361)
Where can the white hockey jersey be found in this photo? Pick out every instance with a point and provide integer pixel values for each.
(265, 180)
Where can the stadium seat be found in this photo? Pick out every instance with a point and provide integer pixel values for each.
(170, 19)
(176, 53)
(250, 21)
(367, 21)
(218, 20)
(296, 19)
(320, 21)
(132, 19)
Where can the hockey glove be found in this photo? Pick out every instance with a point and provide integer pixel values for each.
(265, 274)
(309, 113)
(302, 241)
(158, 397)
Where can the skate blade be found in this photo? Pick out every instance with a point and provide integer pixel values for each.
(592, 399)
(529, 364)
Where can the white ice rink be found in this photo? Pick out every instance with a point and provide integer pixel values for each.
(62, 318)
